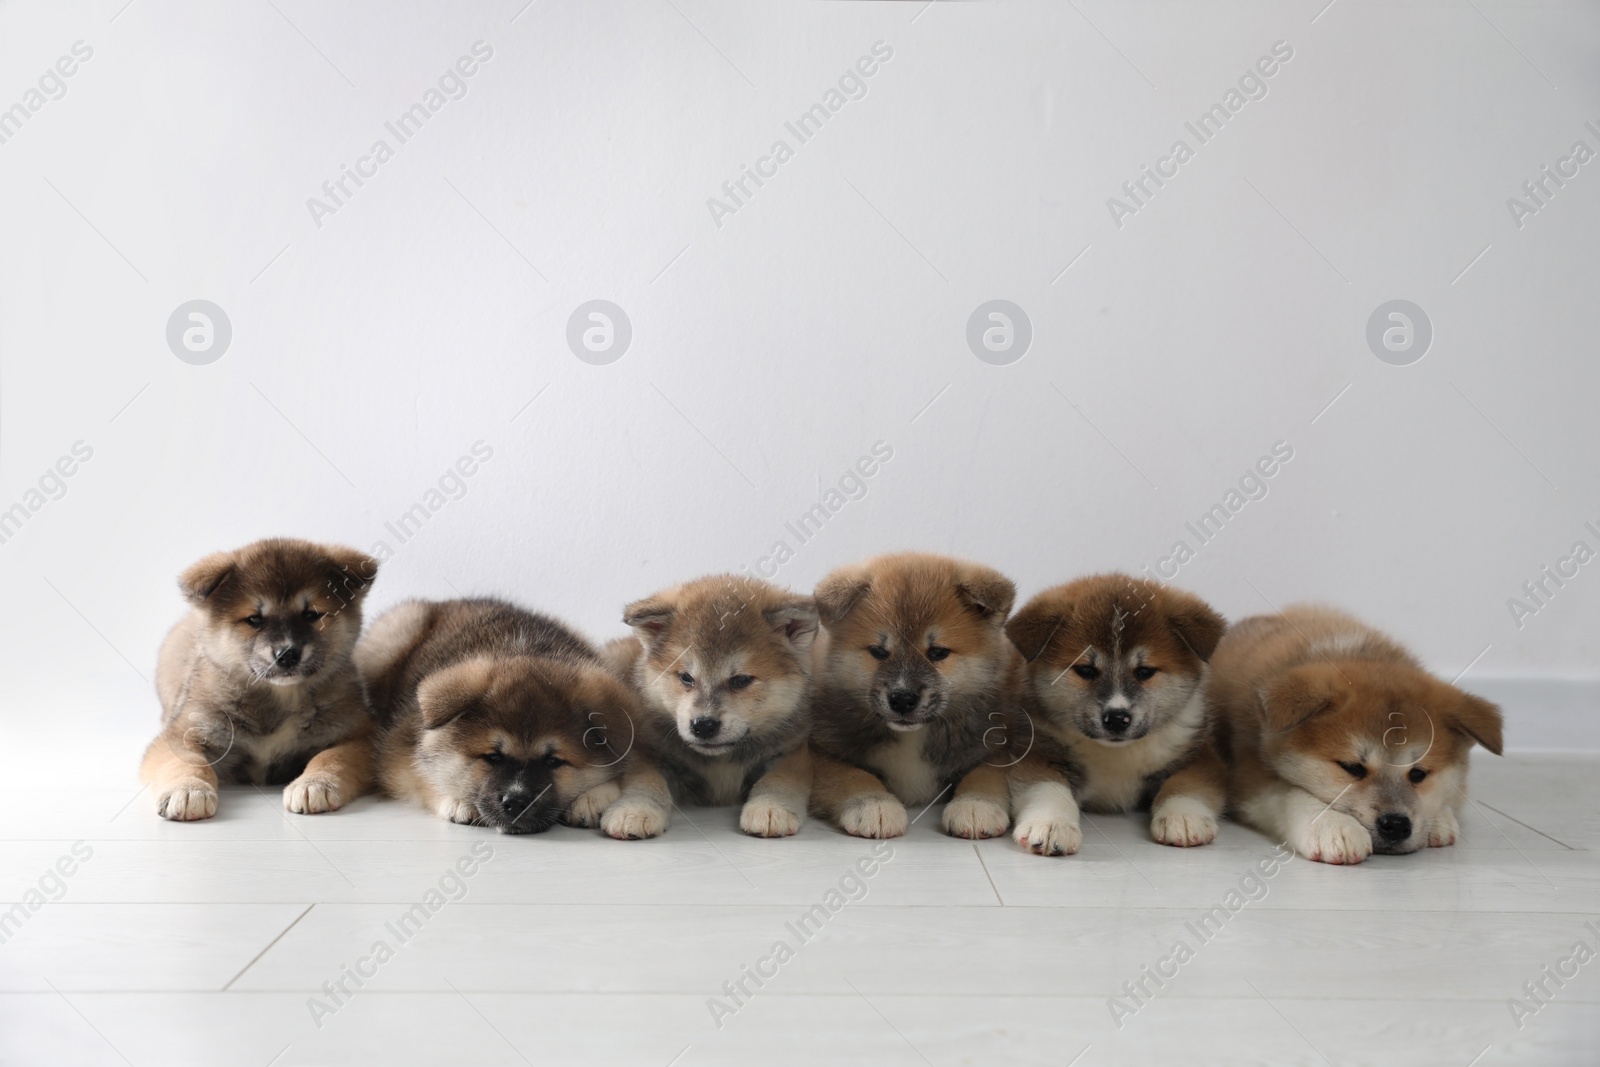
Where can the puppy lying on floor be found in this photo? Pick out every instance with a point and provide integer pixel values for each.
(494, 715)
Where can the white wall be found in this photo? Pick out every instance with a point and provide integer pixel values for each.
(828, 313)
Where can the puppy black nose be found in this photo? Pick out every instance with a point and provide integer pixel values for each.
(1116, 720)
(705, 727)
(903, 700)
(288, 658)
(1394, 827)
(514, 804)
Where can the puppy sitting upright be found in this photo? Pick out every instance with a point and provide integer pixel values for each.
(917, 692)
(1116, 675)
(724, 666)
(494, 715)
(256, 682)
(1339, 742)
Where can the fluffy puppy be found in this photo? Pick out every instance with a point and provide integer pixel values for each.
(1338, 741)
(256, 683)
(724, 667)
(917, 691)
(1116, 675)
(495, 716)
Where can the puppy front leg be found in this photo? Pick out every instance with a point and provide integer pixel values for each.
(1311, 827)
(587, 809)
(181, 779)
(643, 808)
(981, 806)
(777, 803)
(334, 777)
(1047, 812)
(855, 800)
(1187, 806)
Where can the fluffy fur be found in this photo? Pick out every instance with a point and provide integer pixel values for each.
(917, 691)
(256, 682)
(1116, 670)
(1338, 741)
(723, 664)
(495, 716)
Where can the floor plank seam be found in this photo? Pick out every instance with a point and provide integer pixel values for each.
(264, 951)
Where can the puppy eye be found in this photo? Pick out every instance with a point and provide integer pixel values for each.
(253, 621)
(687, 679)
(552, 761)
(492, 758)
(1417, 774)
(1144, 674)
(1086, 672)
(878, 651)
(938, 652)
(1354, 770)
(311, 614)
(740, 681)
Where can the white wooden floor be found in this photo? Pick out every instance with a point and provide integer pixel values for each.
(202, 944)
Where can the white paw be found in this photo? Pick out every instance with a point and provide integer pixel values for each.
(632, 820)
(187, 800)
(587, 809)
(1183, 822)
(875, 815)
(455, 810)
(974, 817)
(1443, 829)
(312, 794)
(765, 817)
(1047, 837)
(1334, 838)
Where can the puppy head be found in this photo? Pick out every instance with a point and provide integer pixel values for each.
(1385, 743)
(520, 738)
(281, 609)
(726, 658)
(1115, 657)
(911, 633)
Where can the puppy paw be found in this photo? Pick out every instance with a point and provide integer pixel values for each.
(631, 820)
(460, 811)
(875, 815)
(1443, 829)
(975, 817)
(1334, 838)
(312, 794)
(187, 800)
(1183, 822)
(587, 809)
(765, 817)
(1045, 837)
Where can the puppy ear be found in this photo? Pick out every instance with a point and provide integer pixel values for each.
(839, 593)
(649, 617)
(1032, 628)
(1301, 695)
(1196, 624)
(350, 572)
(445, 695)
(795, 620)
(1479, 720)
(202, 579)
(987, 592)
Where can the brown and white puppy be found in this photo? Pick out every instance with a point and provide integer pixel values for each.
(1338, 741)
(917, 692)
(1116, 676)
(495, 716)
(256, 682)
(724, 666)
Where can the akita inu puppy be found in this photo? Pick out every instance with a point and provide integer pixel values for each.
(1339, 743)
(917, 692)
(724, 666)
(1116, 676)
(495, 716)
(256, 683)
